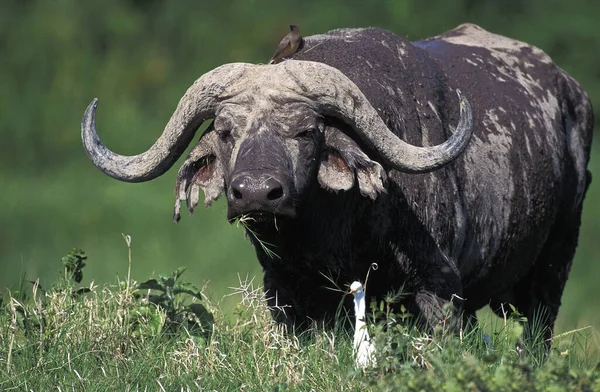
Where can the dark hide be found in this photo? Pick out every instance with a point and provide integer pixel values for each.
(499, 224)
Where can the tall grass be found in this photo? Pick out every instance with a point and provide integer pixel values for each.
(124, 337)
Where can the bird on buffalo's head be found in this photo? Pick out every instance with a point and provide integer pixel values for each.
(288, 45)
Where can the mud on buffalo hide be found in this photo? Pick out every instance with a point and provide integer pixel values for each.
(501, 223)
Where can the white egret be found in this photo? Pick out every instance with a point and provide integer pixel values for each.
(364, 349)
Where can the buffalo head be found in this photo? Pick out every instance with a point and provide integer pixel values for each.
(276, 129)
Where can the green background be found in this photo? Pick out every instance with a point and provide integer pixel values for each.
(138, 58)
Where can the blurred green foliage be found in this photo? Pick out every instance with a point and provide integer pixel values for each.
(139, 57)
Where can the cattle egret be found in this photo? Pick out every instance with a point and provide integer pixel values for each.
(364, 349)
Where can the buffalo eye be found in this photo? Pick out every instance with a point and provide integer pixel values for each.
(305, 133)
(224, 135)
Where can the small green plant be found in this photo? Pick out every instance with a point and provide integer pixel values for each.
(73, 264)
(168, 294)
(33, 319)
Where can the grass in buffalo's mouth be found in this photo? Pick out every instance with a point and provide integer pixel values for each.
(246, 221)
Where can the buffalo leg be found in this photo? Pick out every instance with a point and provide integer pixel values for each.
(440, 298)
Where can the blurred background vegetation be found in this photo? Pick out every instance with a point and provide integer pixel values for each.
(139, 57)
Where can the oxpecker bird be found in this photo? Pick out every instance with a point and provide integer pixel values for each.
(364, 349)
(288, 45)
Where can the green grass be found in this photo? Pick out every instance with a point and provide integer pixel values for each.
(134, 336)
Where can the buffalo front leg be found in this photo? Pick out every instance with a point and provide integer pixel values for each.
(300, 301)
(441, 311)
(279, 301)
(439, 297)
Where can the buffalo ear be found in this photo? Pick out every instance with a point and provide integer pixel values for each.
(334, 173)
(201, 170)
(343, 162)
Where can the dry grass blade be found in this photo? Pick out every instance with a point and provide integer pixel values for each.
(245, 221)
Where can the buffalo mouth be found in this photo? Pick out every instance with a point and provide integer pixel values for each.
(260, 219)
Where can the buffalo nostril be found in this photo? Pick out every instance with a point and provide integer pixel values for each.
(247, 191)
(238, 188)
(237, 194)
(275, 194)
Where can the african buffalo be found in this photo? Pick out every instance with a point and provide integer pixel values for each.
(359, 150)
